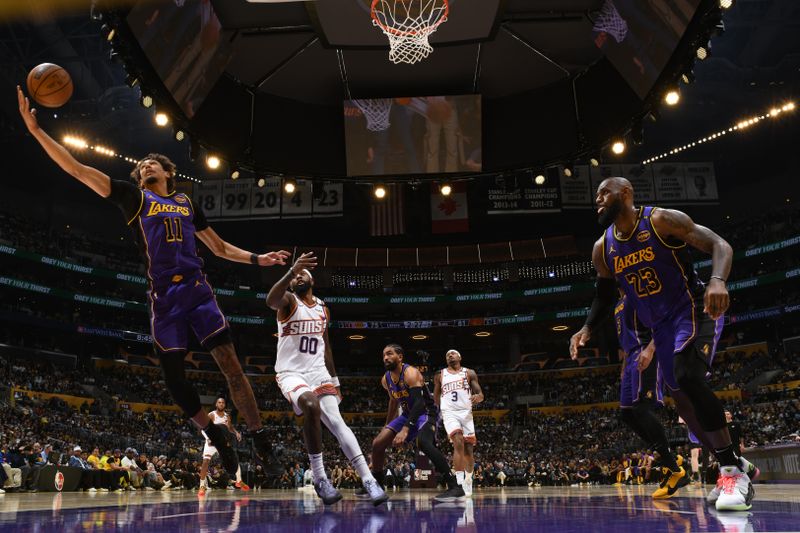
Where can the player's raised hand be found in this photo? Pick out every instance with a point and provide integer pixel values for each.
(28, 114)
(306, 261)
(578, 341)
(273, 258)
(716, 299)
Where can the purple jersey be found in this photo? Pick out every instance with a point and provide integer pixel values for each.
(167, 229)
(656, 276)
(399, 391)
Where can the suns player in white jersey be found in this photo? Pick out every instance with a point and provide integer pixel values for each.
(456, 390)
(221, 417)
(307, 377)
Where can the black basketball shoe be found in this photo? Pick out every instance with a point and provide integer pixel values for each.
(226, 452)
(268, 455)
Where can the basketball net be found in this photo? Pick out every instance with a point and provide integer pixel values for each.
(376, 111)
(611, 22)
(408, 24)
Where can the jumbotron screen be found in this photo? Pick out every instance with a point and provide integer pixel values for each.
(185, 43)
(420, 135)
(639, 37)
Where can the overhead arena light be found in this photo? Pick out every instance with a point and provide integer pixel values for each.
(261, 183)
(356, 337)
(162, 119)
(539, 179)
(379, 192)
(672, 97)
(289, 186)
(419, 337)
(235, 173)
(179, 135)
(446, 189)
(726, 4)
(568, 169)
(213, 162)
(75, 142)
(594, 161)
(146, 100)
(618, 147)
(560, 327)
(703, 52)
(482, 334)
(688, 77)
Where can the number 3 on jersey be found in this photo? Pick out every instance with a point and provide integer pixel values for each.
(308, 345)
(645, 281)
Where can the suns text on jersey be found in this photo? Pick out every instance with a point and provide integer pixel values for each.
(461, 384)
(304, 327)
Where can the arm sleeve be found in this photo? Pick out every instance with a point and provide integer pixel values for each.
(199, 220)
(128, 197)
(415, 394)
(603, 301)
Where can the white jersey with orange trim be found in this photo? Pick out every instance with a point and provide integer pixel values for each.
(219, 419)
(301, 340)
(456, 392)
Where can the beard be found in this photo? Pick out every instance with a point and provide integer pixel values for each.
(301, 289)
(610, 214)
(391, 365)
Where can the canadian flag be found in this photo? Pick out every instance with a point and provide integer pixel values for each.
(449, 213)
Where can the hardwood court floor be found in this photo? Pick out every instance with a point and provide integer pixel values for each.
(550, 509)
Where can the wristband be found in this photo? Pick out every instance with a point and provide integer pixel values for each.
(719, 278)
(254, 258)
(335, 381)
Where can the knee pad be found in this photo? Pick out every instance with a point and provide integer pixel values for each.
(690, 372)
(182, 391)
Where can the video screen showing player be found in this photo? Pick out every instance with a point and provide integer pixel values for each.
(640, 37)
(185, 43)
(422, 135)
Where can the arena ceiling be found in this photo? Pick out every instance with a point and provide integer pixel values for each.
(549, 94)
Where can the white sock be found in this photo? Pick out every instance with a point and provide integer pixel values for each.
(362, 468)
(239, 474)
(333, 420)
(204, 483)
(317, 467)
(468, 476)
(460, 477)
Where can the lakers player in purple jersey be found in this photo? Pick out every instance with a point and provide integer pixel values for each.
(640, 391)
(646, 250)
(166, 224)
(406, 389)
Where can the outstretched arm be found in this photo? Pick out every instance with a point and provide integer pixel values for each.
(226, 250)
(678, 225)
(475, 387)
(601, 304)
(277, 298)
(89, 176)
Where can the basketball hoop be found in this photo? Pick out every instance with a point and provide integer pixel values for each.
(610, 22)
(376, 111)
(408, 24)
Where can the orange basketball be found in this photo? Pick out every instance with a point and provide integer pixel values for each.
(403, 101)
(49, 85)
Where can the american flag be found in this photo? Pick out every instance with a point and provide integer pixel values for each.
(387, 216)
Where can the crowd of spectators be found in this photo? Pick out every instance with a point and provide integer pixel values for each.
(123, 450)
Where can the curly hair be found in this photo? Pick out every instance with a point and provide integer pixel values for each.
(165, 162)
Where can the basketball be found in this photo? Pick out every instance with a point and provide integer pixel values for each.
(49, 85)
(439, 110)
(403, 101)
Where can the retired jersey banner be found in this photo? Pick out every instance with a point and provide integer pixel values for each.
(521, 194)
(449, 214)
(576, 190)
(641, 177)
(245, 198)
(669, 179)
(701, 183)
